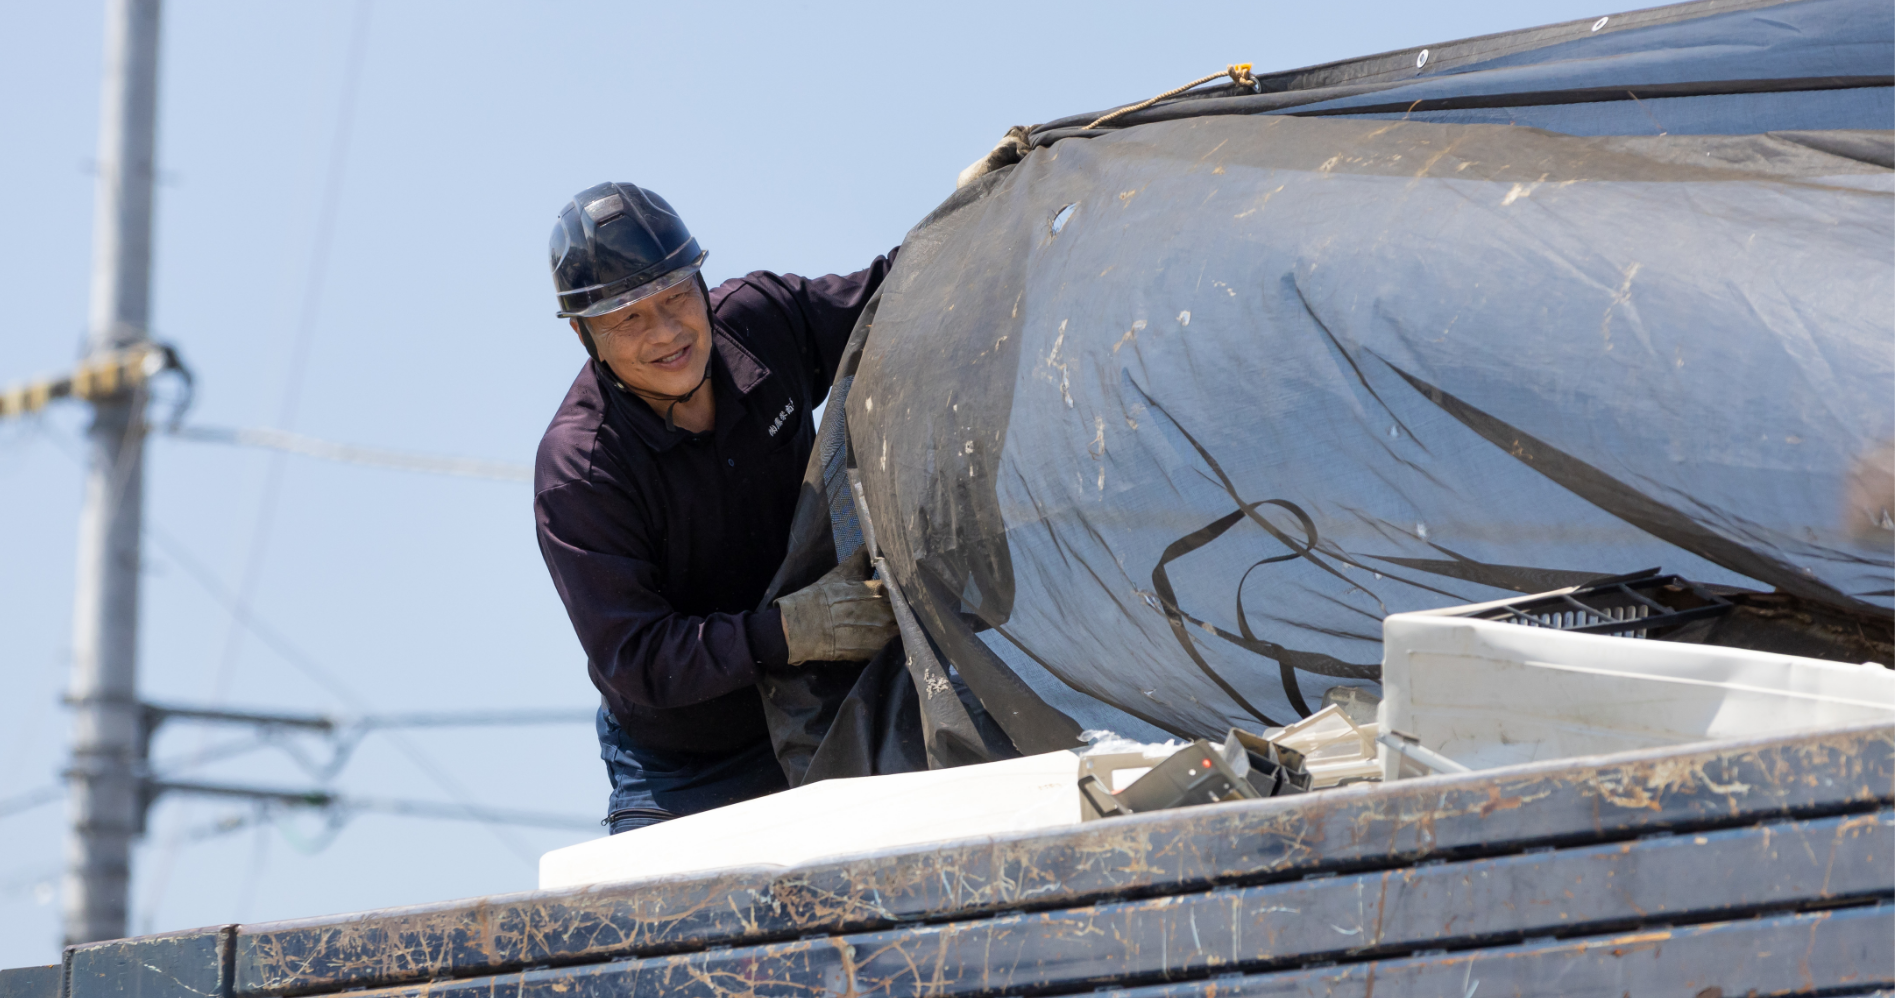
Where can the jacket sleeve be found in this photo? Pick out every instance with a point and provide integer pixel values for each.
(819, 312)
(603, 563)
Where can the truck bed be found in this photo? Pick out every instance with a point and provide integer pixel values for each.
(1762, 866)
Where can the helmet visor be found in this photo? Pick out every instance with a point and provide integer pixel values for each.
(663, 282)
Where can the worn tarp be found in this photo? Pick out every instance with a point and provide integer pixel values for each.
(1710, 67)
(1153, 428)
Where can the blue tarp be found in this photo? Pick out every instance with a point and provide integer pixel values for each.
(1842, 51)
(1156, 426)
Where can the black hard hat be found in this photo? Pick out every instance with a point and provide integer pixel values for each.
(615, 244)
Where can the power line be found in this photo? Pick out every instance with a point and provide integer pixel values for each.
(300, 341)
(434, 810)
(407, 461)
(329, 723)
(342, 809)
(290, 654)
(253, 877)
(390, 806)
(473, 719)
(33, 879)
(295, 657)
(37, 797)
(292, 394)
(31, 800)
(242, 616)
(326, 217)
(343, 733)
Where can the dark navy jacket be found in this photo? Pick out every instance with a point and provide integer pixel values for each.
(662, 543)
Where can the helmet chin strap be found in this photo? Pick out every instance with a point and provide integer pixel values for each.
(675, 399)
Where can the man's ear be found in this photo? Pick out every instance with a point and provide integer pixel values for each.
(704, 297)
(584, 340)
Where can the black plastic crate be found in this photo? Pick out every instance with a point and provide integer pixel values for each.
(1645, 604)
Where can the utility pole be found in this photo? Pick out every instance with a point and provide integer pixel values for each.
(110, 782)
(105, 786)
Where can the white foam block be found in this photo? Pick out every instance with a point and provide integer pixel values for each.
(834, 818)
(1491, 694)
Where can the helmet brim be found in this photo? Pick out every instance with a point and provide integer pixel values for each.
(662, 283)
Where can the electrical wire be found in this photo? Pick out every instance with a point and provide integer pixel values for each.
(31, 800)
(296, 658)
(406, 461)
(292, 395)
(30, 879)
(435, 810)
(345, 735)
(28, 735)
(213, 754)
(338, 813)
(476, 719)
(304, 664)
(253, 877)
(304, 335)
(248, 620)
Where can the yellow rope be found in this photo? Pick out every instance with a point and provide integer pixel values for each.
(97, 378)
(1238, 73)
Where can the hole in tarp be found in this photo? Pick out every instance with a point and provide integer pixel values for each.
(1059, 220)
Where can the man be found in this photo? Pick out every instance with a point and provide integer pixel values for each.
(664, 490)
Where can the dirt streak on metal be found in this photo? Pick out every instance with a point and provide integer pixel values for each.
(1165, 938)
(1179, 851)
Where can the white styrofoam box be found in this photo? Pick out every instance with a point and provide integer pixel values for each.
(1490, 694)
(829, 818)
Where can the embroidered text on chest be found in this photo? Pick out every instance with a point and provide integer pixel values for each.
(788, 408)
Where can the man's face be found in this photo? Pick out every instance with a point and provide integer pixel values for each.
(657, 345)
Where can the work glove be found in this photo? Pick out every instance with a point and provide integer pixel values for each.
(1012, 148)
(844, 616)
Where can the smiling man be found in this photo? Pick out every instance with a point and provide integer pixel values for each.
(664, 490)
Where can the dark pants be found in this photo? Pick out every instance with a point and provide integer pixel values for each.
(652, 785)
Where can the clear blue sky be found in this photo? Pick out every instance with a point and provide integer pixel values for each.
(793, 136)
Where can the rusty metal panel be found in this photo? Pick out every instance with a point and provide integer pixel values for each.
(1692, 877)
(184, 963)
(1808, 864)
(466, 937)
(1349, 829)
(22, 983)
(1843, 951)
(800, 968)
(1593, 889)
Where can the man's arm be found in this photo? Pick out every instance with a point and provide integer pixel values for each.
(636, 643)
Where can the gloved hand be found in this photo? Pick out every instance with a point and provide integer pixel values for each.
(1012, 148)
(844, 616)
